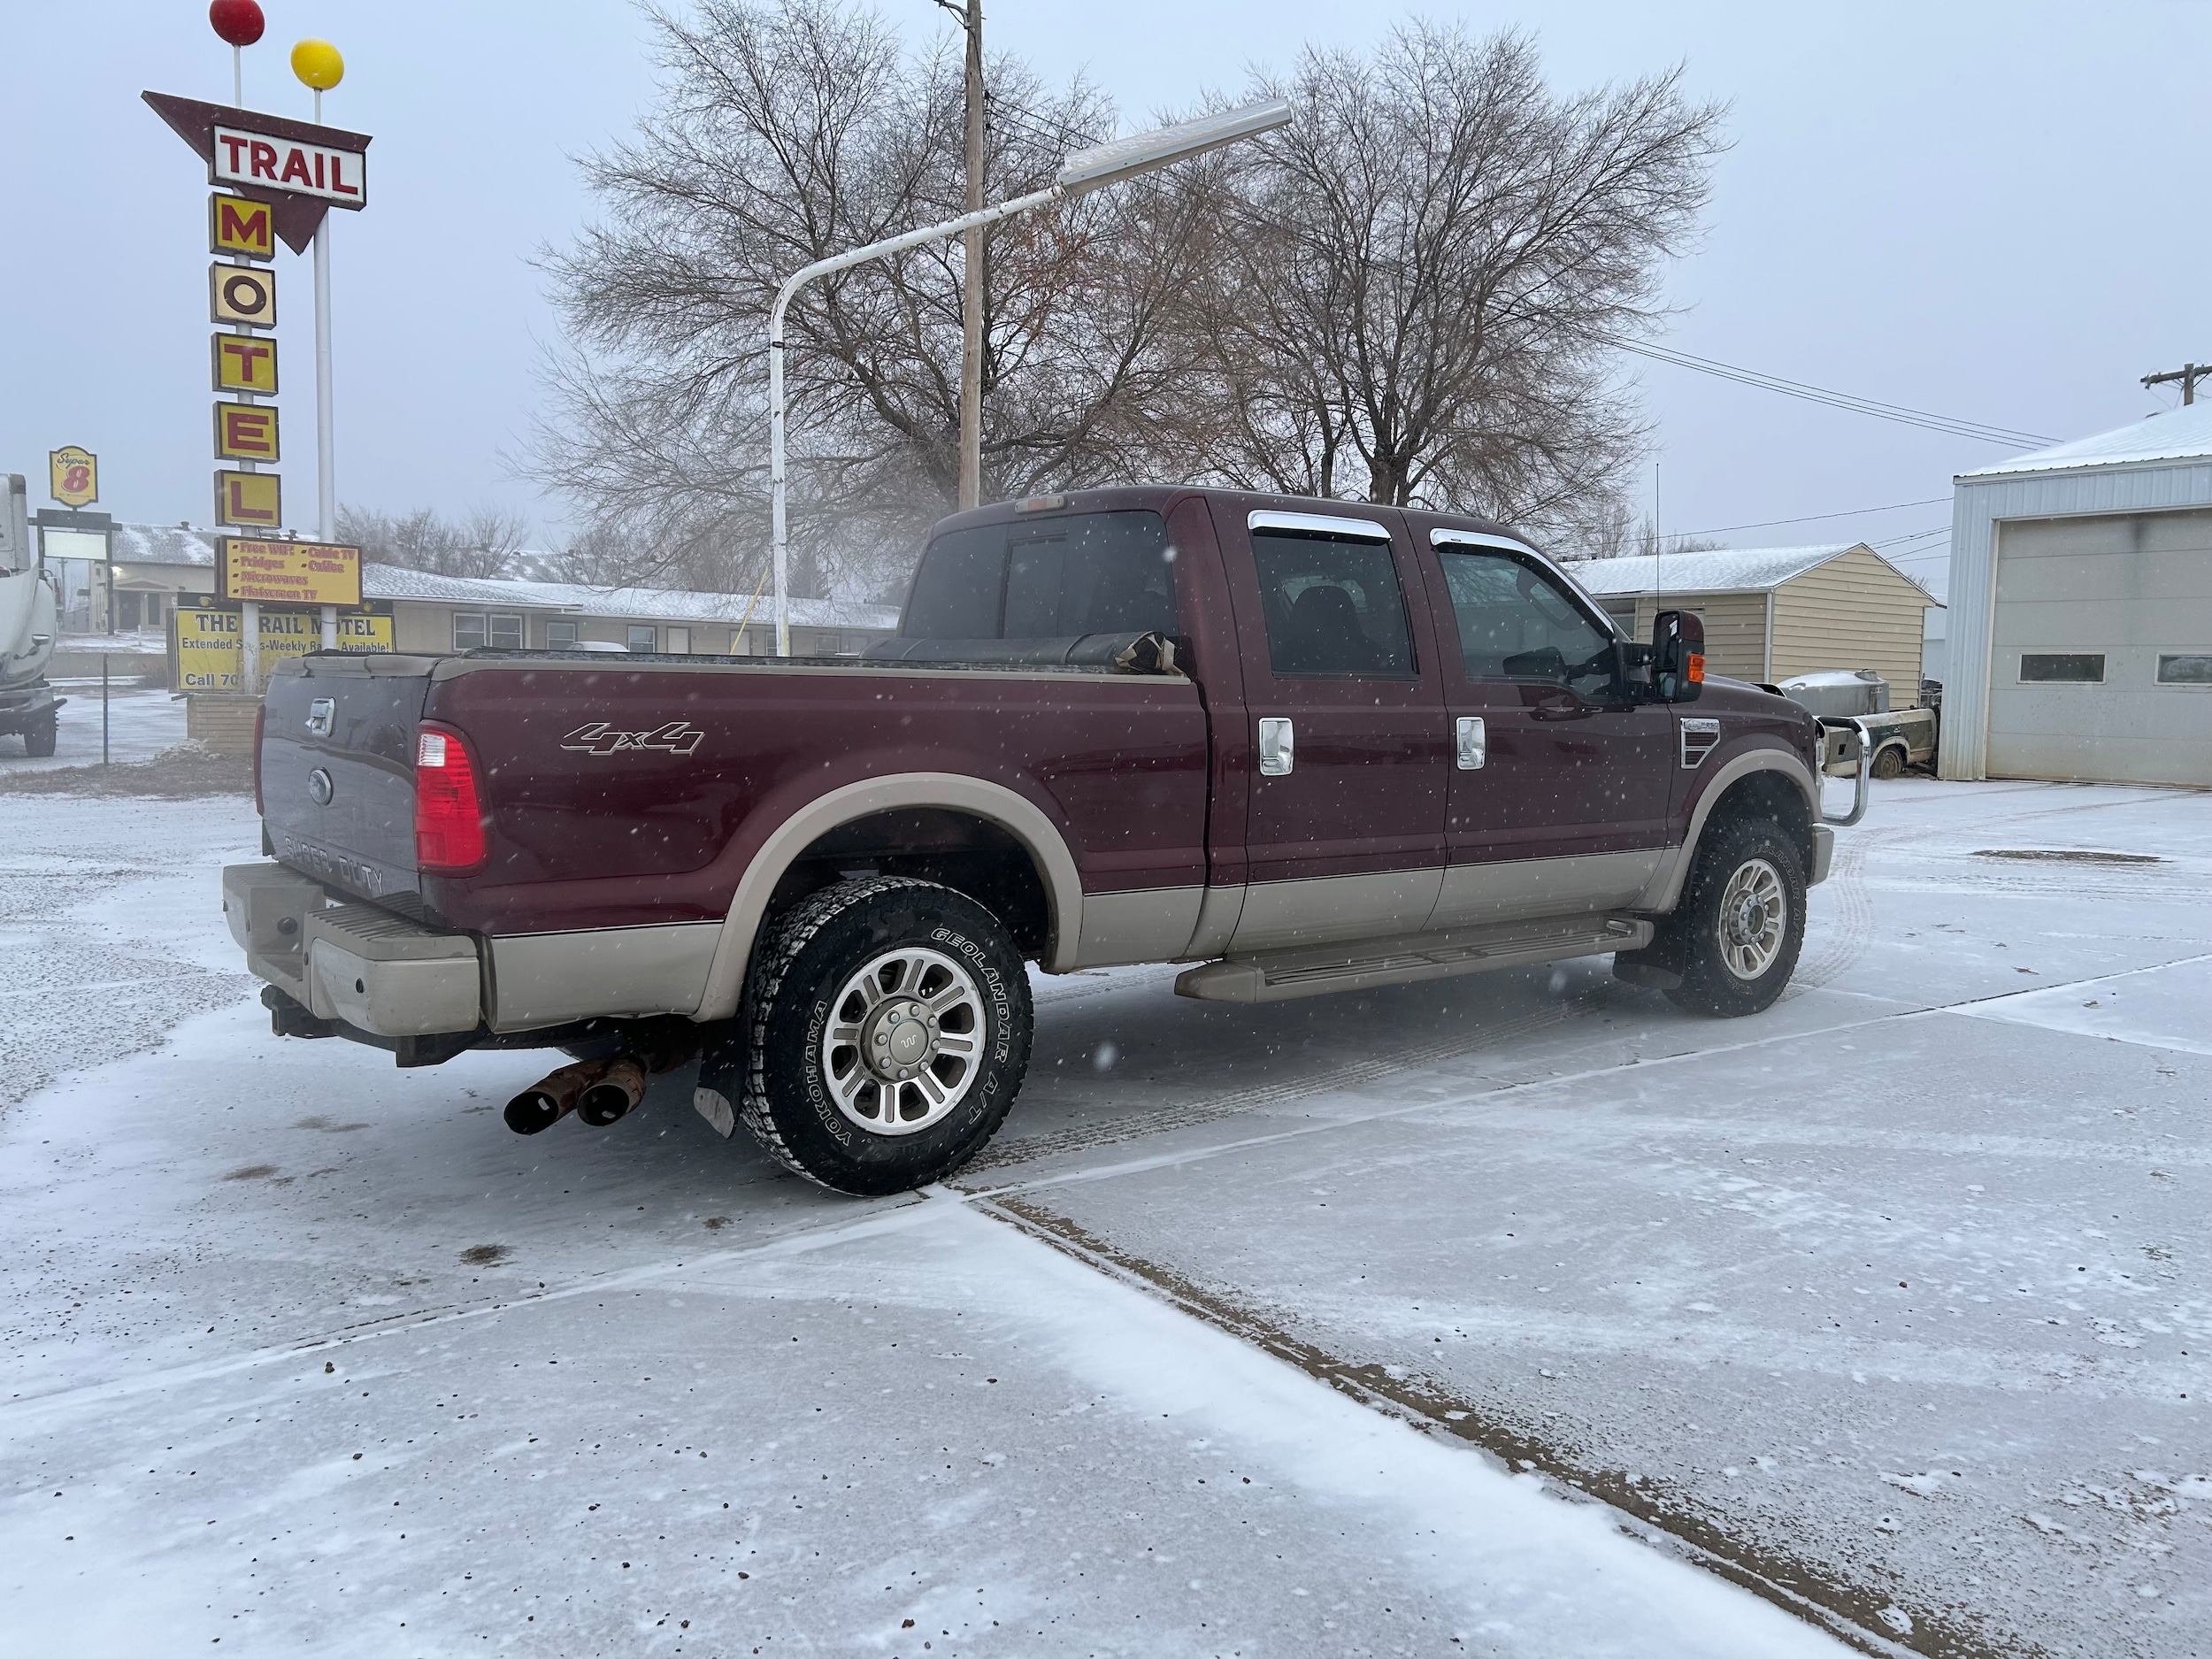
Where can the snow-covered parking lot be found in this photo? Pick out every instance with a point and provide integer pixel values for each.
(1284, 1330)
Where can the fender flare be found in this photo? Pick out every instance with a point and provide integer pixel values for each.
(1666, 889)
(995, 802)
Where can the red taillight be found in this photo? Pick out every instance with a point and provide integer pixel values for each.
(449, 807)
(260, 719)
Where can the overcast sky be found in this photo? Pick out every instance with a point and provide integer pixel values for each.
(1987, 210)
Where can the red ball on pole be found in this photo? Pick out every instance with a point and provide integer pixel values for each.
(239, 22)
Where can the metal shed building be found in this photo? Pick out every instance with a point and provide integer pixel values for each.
(2081, 601)
(1770, 613)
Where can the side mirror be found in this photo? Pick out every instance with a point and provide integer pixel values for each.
(1678, 656)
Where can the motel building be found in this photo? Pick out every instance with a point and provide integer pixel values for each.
(160, 596)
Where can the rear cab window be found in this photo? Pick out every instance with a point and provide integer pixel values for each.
(1333, 607)
(1045, 578)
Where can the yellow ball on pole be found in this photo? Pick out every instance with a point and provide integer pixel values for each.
(319, 65)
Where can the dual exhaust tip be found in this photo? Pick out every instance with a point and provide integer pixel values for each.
(600, 1092)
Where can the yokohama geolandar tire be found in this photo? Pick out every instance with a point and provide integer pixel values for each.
(887, 1029)
(1741, 921)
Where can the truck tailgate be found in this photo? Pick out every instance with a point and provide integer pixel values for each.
(338, 772)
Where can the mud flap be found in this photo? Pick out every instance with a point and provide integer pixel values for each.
(1656, 967)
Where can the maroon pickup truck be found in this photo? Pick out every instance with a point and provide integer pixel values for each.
(1304, 746)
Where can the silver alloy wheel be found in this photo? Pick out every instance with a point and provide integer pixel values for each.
(1753, 917)
(905, 1033)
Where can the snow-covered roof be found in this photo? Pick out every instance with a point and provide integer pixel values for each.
(1711, 570)
(183, 544)
(2177, 434)
(162, 545)
(390, 581)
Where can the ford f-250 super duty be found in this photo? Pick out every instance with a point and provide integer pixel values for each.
(1304, 746)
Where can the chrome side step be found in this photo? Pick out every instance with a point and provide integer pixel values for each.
(1277, 976)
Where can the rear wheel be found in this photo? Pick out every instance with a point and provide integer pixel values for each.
(1890, 763)
(887, 1029)
(1741, 922)
(38, 740)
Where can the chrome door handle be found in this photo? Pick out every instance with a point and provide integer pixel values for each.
(1472, 742)
(1277, 748)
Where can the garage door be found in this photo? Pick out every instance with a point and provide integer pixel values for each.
(2101, 664)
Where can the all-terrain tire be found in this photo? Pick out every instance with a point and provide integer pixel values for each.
(38, 741)
(1750, 878)
(779, 1064)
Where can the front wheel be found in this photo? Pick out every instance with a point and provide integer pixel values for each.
(1741, 921)
(887, 1031)
(38, 740)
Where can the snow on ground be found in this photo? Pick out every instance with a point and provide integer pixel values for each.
(1894, 1297)
(141, 725)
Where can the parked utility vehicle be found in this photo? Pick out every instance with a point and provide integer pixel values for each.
(29, 611)
(1896, 738)
(1304, 746)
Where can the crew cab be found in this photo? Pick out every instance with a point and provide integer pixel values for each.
(1300, 746)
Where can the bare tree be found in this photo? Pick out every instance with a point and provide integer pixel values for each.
(1425, 269)
(485, 545)
(797, 128)
(1649, 541)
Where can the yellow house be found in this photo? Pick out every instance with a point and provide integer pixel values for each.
(1773, 613)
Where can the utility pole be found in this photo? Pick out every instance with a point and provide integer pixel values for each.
(2188, 374)
(971, 293)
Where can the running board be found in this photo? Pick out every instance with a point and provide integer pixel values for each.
(1277, 976)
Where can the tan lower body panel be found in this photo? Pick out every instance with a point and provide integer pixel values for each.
(1280, 975)
(1288, 914)
(1152, 926)
(1520, 889)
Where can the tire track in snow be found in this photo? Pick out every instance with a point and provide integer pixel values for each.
(1003, 1152)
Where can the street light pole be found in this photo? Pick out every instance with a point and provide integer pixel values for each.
(1085, 171)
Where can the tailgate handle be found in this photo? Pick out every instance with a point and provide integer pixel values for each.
(320, 716)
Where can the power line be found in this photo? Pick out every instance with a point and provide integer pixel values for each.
(1851, 512)
(1898, 413)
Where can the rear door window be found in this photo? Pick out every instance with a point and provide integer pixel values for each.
(1333, 607)
(1099, 573)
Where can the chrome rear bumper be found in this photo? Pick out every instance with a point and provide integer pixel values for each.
(372, 970)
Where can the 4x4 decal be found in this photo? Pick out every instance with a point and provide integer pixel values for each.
(598, 738)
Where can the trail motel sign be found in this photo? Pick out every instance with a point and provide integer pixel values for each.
(288, 572)
(241, 227)
(73, 475)
(244, 363)
(206, 642)
(305, 167)
(242, 295)
(246, 431)
(274, 180)
(253, 501)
